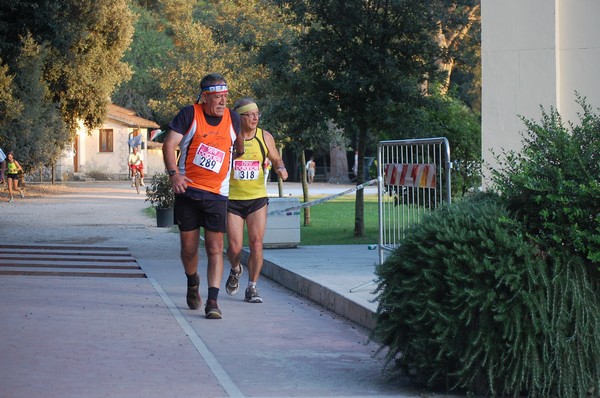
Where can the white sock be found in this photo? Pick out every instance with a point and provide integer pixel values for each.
(250, 284)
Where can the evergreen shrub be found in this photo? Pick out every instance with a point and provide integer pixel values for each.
(499, 293)
(553, 184)
(459, 300)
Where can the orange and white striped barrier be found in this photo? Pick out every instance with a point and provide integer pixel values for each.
(410, 175)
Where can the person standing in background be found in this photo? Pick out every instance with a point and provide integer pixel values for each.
(311, 169)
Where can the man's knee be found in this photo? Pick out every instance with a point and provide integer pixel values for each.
(214, 249)
(255, 243)
(189, 243)
(214, 244)
(189, 253)
(233, 255)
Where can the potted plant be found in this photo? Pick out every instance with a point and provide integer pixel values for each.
(162, 198)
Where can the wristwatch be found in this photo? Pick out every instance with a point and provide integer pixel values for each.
(172, 173)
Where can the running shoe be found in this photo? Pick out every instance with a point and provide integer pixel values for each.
(252, 295)
(233, 282)
(22, 195)
(193, 297)
(11, 200)
(212, 310)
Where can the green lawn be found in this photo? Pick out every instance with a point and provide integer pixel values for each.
(332, 222)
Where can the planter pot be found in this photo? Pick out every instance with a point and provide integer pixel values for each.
(164, 217)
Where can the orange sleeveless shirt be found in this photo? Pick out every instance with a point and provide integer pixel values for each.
(206, 153)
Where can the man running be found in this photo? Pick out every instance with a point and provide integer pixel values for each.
(205, 133)
(248, 198)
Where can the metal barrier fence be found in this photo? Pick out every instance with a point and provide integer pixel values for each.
(413, 179)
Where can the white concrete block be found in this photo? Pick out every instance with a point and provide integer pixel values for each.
(283, 229)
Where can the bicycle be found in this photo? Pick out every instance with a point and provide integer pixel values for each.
(137, 181)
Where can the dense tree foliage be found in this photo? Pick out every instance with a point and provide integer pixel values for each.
(10, 106)
(148, 54)
(465, 78)
(38, 134)
(219, 37)
(81, 44)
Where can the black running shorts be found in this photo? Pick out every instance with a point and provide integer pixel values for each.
(244, 208)
(191, 214)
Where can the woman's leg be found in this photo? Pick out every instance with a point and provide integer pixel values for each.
(10, 187)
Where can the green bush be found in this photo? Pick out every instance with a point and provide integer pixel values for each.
(553, 184)
(462, 128)
(500, 293)
(466, 302)
(443, 293)
(571, 343)
(159, 193)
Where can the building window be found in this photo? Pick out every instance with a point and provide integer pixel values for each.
(106, 140)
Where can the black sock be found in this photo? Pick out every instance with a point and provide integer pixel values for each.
(213, 293)
(193, 280)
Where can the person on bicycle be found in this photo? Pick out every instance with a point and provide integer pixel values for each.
(136, 162)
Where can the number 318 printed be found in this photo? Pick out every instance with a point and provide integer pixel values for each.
(247, 175)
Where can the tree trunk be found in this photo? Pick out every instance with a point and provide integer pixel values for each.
(339, 165)
(279, 180)
(359, 207)
(304, 188)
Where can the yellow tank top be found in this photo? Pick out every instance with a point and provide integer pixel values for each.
(12, 168)
(247, 174)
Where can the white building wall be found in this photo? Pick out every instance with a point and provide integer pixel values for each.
(153, 161)
(108, 163)
(114, 164)
(535, 53)
(579, 55)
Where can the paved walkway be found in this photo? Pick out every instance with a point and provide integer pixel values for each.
(77, 320)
